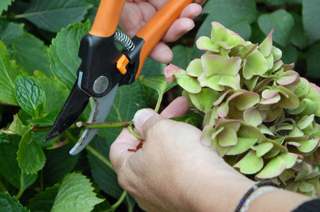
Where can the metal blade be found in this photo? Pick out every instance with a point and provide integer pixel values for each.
(71, 111)
(99, 113)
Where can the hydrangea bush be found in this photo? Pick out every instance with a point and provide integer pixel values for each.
(258, 113)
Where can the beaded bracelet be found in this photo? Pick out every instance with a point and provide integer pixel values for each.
(255, 187)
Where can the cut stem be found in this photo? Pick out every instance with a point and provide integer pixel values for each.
(122, 124)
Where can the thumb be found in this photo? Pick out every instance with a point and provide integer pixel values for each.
(144, 119)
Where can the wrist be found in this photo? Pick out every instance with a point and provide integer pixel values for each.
(218, 190)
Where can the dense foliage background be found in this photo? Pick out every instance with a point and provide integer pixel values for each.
(38, 173)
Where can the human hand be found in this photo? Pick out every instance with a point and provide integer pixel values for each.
(173, 169)
(137, 12)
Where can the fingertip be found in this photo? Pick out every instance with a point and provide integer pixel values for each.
(161, 53)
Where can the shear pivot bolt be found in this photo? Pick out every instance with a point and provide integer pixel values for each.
(101, 85)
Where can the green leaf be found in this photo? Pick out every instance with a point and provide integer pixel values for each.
(4, 5)
(281, 21)
(4, 138)
(9, 166)
(8, 73)
(279, 2)
(31, 54)
(53, 15)
(158, 83)
(10, 204)
(250, 164)
(310, 17)
(47, 120)
(75, 194)
(44, 201)
(103, 176)
(30, 95)
(194, 119)
(31, 157)
(298, 35)
(290, 54)
(64, 53)
(18, 127)
(59, 163)
(56, 94)
(10, 31)
(181, 56)
(313, 62)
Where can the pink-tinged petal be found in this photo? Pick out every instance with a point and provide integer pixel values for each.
(288, 101)
(227, 137)
(273, 100)
(205, 43)
(221, 44)
(231, 66)
(290, 159)
(313, 95)
(270, 60)
(288, 67)
(288, 77)
(188, 83)
(210, 82)
(264, 148)
(291, 143)
(219, 149)
(268, 93)
(195, 68)
(212, 64)
(206, 136)
(277, 66)
(245, 52)
(266, 46)
(171, 70)
(250, 164)
(252, 116)
(245, 100)
(291, 87)
(221, 98)
(235, 40)
(309, 145)
(223, 110)
(219, 32)
(255, 64)
(229, 123)
(277, 53)
(302, 87)
(230, 81)
(273, 169)
(242, 146)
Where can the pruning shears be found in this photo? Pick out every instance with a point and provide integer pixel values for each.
(104, 68)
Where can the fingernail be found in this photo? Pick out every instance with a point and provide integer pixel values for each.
(191, 28)
(142, 116)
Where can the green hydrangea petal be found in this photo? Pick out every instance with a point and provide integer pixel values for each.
(266, 46)
(227, 137)
(273, 169)
(250, 164)
(242, 146)
(195, 68)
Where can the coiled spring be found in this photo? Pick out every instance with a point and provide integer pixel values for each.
(124, 40)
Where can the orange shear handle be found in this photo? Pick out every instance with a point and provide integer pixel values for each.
(158, 25)
(107, 18)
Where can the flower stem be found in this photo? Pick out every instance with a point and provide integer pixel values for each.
(2, 187)
(130, 128)
(120, 200)
(158, 103)
(122, 124)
